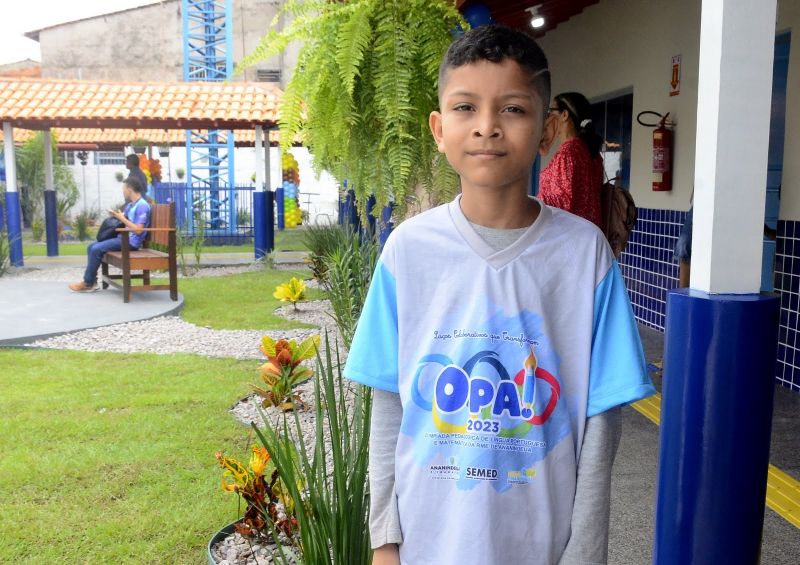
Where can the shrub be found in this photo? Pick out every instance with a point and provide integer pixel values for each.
(5, 251)
(321, 241)
(81, 225)
(349, 272)
(37, 229)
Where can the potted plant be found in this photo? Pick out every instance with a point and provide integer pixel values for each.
(139, 145)
(365, 84)
(180, 172)
(163, 150)
(120, 176)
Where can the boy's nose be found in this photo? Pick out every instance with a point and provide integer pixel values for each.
(487, 126)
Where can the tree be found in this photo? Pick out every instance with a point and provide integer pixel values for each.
(362, 91)
(30, 176)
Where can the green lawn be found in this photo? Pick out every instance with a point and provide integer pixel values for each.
(239, 302)
(109, 458)
(287, 240)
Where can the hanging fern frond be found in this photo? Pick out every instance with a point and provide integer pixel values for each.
(362, 90)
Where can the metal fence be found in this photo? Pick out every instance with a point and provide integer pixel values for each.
(222, 216)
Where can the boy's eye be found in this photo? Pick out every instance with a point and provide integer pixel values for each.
(462, 107)
(514, 109)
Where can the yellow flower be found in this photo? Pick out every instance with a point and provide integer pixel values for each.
(293, 291)
(258, 461)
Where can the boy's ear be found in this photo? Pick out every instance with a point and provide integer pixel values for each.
(548, 135)
(435, 122)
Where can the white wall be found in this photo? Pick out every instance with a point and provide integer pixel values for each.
(789, 19)
(146, 44)
(629, 44)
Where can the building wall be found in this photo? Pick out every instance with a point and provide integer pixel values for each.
(789, 19)
(135, 45)
(619, 45)
(146, 44)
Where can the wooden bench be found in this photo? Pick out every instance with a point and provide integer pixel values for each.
(159, 252)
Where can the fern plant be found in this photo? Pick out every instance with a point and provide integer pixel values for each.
(363, 88)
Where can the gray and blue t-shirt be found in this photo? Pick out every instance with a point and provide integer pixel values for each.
(499, 357)
(139, 213)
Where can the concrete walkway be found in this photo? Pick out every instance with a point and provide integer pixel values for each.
(30, 310)
(635, 477)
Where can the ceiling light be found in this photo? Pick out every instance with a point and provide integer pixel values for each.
(537, 20)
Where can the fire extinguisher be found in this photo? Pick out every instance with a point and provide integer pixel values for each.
(662, 151)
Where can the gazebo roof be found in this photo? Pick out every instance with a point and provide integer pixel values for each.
(52, 103)
(100, 139)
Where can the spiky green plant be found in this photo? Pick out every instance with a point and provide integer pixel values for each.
(332, 510)
(363, 88)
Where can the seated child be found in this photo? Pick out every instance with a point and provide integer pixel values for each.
(136, 216)
(499, 339)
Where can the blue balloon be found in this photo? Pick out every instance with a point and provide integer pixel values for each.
(478, 15)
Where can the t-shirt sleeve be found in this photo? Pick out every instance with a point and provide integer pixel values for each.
(618, 371)
(372, 359)
(141, 215)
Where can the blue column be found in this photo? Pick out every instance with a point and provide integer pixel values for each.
(716, 416)
(14, 215)
(279, 202)
(386, 225)
(263, 222)
(51, 222)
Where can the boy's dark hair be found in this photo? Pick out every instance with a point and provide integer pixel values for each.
(496, 43)
(580, 113)
(132, 160)
(134, 184)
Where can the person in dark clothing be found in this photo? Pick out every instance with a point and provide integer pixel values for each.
(132, 164)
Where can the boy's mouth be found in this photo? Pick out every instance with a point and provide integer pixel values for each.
(486, 153)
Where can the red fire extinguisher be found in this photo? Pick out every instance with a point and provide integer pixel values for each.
(662, 152)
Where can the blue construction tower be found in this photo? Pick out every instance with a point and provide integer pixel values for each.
(208, 57)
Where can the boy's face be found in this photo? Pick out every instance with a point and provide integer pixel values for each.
(490, 125)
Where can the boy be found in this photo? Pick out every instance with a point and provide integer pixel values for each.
(136, 217)
(499, 339)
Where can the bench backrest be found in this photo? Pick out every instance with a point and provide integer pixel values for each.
(161, 216)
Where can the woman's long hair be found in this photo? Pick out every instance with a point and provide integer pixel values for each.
(580, 113)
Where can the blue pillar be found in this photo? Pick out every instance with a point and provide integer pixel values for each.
(263, 222)
(279, 202)
(14, 214)
(13, 210)
(51, 222)
(386, 224)
(716, 416)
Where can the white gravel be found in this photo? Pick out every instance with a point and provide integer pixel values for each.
(170, 334)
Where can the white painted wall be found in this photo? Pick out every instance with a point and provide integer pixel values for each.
(146, 44)
(789, 19)
(629, 44)
(100, 190)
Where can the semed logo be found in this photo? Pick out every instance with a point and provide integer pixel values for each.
(481, 474)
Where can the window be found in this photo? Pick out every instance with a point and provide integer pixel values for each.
(68, 157)
(268, 75)
(110, 158)
(613, 119)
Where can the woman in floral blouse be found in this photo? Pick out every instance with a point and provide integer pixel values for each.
(573, 178)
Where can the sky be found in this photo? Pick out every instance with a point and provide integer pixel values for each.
(28, 15)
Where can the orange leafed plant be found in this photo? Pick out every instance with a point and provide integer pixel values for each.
(283, 370)
(262, 495)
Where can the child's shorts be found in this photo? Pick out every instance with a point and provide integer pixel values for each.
(683, 247)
